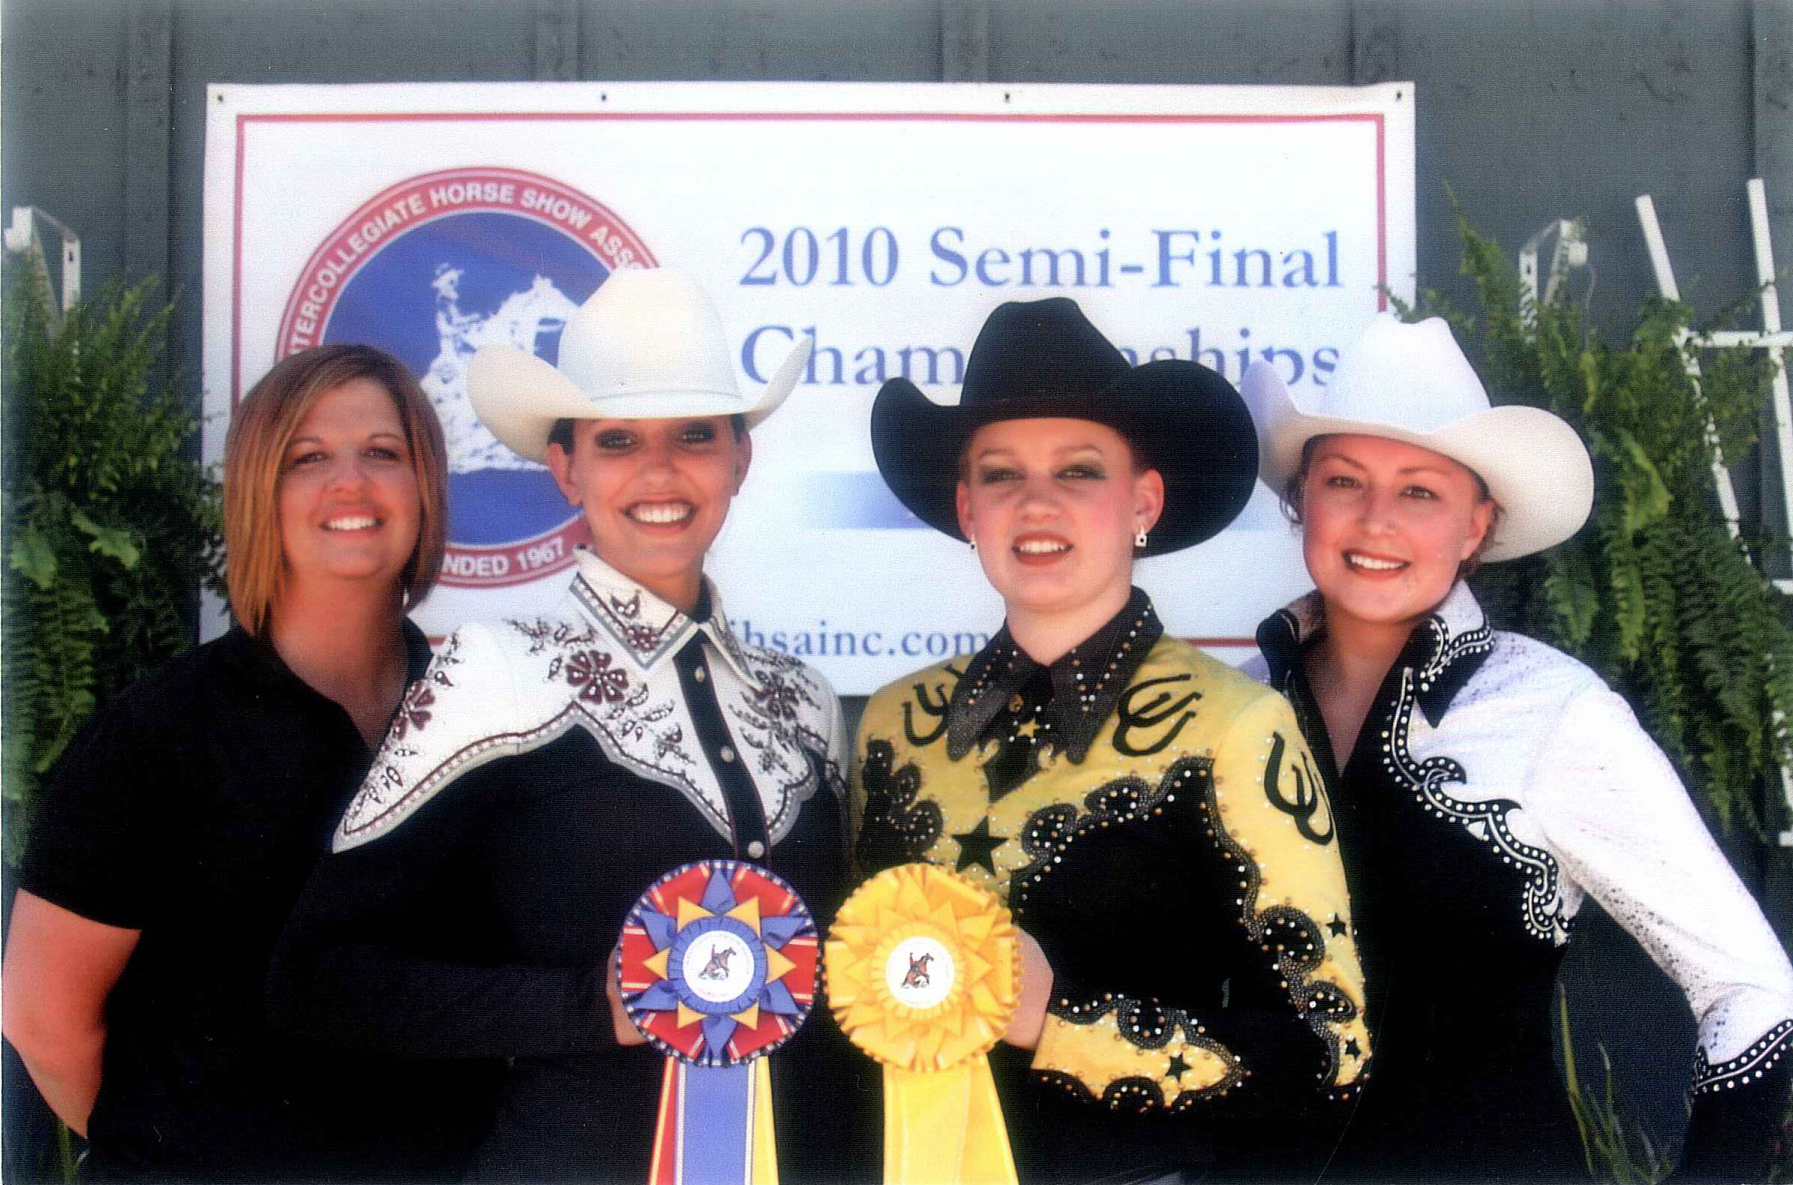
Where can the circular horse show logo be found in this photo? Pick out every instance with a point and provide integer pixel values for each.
(431, 270)
(919, 972)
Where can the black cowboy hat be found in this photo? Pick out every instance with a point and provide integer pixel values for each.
(1042, 358)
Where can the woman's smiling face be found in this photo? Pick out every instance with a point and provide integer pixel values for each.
(349, 506)
(1386, 526)
(1053, 505)
(654, 493)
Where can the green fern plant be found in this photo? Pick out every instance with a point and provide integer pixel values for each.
(1653, 593)
(108, 529)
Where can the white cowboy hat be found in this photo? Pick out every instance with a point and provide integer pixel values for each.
(1412, 383)
(648, 344)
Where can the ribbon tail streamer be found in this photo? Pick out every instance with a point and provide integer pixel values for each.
(945, 1126)
(715, 1126)
(765, 1149)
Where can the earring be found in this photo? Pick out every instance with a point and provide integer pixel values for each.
(974, 545)
(1139, 540)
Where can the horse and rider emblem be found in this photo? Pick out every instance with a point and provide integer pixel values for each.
(919, 971)
(717, 967)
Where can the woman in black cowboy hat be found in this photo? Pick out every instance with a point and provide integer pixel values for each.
(1150, 816)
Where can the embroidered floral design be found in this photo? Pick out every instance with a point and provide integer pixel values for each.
(626, 713)
(560, 635)
(414, 710)
(602, 667)
(621, 618)
(771, 724)
(385, 783)
(670, 741)
(777, 700)
(592, 673)
(633, 720)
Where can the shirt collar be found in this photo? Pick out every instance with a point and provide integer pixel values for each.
(645, 628)
(1087, 681)
(262, 662)
(1444, 649)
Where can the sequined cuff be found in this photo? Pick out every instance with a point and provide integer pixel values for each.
(1738, 1106)
(1760, 1060)
(1132, 1054)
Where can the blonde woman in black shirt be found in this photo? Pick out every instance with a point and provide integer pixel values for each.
(179, 827)
(1486, 785)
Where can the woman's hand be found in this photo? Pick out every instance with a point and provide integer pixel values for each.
(626, 1032)
(60, 967)
(1036, 989)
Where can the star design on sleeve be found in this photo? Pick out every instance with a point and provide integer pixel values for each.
(977, 845)
(1352, 1049)
(1336, 927)
(1177, 1068)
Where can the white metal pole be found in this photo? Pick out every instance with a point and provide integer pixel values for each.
(1727, 496)
(1783, 420)
(1665, 283)
(1771, 331)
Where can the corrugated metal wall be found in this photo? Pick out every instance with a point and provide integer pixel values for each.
(1528, 111)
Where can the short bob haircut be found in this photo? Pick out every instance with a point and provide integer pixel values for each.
(255, 450)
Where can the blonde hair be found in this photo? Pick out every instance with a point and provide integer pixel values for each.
(255, 449)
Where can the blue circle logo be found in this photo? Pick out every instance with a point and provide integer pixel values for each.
(432, 270)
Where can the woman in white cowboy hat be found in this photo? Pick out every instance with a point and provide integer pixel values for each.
(549, 770)
(1147, 814)
(1486, 784)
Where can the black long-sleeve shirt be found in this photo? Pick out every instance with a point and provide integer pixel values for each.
(1150, 817)
(1495, 785)
(542, 776)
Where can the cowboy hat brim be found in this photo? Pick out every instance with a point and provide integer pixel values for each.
(1180, 419)
(518, 397)
(1533, 463)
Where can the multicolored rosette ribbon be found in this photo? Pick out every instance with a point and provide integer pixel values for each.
(718, 970)
(924, 972)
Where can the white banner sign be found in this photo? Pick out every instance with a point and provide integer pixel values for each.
(1220, 224)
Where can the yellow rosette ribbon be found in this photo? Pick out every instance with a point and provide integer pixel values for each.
(923, 973)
